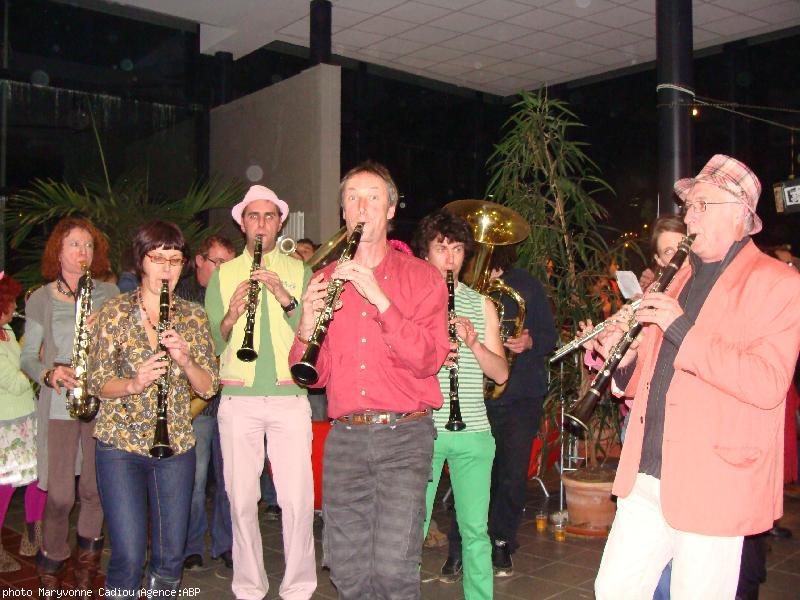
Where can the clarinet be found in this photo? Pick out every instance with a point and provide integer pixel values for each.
(577, 419)
(161, 447)
(454, 421)
(247, 353)
(305, 372)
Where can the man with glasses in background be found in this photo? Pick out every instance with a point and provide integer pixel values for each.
(212, 252)
(701, 466)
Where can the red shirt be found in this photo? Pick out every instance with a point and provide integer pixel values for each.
(386, 361)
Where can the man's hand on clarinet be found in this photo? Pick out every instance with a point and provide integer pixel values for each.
(364, 281)
(274, 285)
(313, 301)
(660, 309)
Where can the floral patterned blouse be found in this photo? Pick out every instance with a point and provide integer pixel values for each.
(119, 346)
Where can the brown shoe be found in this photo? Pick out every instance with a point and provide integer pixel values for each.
(51, 572)
(31, 539)
(88, 562)
(8, 564)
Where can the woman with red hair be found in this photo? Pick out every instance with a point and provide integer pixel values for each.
(61, 440)
(17, 431)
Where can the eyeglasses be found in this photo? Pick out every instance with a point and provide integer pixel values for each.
(217, 261)
(699, 206)
(160, 259)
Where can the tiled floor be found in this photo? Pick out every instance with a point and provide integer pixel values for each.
(543, 568)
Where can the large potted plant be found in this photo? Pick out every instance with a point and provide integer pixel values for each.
(540, 170)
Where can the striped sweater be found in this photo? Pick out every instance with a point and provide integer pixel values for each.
(469, 304)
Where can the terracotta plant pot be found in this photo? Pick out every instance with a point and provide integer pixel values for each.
(589, 501)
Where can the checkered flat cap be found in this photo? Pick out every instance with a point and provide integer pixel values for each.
(730, 175)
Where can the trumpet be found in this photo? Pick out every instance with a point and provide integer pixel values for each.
(579, 341)
(286, 245)
(454, 422)
(247, 353)
(161, 447)
(80, 404)
(577, 419)
(305, 371)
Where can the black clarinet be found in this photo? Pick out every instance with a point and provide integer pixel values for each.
(454, 421)
(305, 371)
(161, 447)
(577, 419)
(247, 353)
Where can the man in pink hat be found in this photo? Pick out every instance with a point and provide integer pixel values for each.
(702, 462)
(259, 397)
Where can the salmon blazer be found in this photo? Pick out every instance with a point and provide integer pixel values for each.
(722, 454)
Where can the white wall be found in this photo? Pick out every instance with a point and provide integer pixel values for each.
(288, 138)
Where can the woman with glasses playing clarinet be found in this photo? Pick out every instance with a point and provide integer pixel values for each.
(464, 438)
(151, 349)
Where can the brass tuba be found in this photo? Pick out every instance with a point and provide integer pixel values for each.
(328, 252)
(493, 225)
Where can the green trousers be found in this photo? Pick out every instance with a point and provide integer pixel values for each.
(469, 457)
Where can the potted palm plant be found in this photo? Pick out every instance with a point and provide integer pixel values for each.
(540, 170)
(117, 210)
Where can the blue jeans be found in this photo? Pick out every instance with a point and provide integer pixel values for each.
(662, 589)
(206, 434)
(221, 528)
(269, 496)
(203, 426)
(127, 483)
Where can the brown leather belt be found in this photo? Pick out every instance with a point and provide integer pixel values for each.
(382, 418)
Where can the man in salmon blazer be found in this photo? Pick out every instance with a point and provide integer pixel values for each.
(702, 464)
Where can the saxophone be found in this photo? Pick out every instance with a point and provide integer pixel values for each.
(576, 420)
(80, 404)
(161, 447)
(454, 421)
(305, 371)
(247, 353)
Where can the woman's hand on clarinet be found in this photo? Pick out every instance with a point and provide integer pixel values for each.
(63, 377)
(177, 347)
(150, 370)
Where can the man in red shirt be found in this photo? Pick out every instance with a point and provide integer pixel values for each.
(379, 362)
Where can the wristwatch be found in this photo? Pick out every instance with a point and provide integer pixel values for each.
(291, 306)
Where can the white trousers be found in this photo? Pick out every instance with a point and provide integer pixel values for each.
(641, 543)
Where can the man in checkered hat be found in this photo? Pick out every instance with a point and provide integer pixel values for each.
(702, 462)
(259, 397)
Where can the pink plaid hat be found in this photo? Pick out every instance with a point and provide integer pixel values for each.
(730, 175)
(259, 192)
